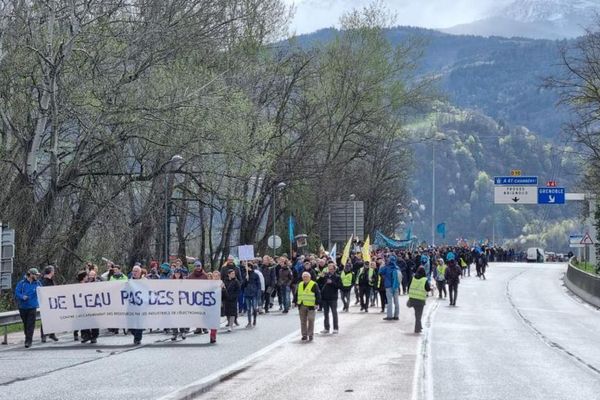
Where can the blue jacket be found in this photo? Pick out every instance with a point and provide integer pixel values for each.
(389, 273)
(27, 289)
(251, 285)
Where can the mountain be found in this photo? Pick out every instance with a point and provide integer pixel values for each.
(540, 19)
(496, 117)
(500, 77)
(471, 149)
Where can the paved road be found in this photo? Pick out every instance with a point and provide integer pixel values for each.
(517, 335)
(114, 369)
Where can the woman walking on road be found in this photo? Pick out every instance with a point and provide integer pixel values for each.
(178, 273)
(417, 295)
(231, 292)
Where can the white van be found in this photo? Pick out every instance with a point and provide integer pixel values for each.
(535, 254)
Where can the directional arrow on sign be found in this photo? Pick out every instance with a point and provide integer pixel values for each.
(515, 199)
(551, 199)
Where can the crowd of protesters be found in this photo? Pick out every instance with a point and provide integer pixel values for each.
(312, 283)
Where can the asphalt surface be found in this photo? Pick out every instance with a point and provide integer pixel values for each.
(114, 369)
(517, 335)
(369, 359)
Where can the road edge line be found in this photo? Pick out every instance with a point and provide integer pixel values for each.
(421, 385)
(195, 388)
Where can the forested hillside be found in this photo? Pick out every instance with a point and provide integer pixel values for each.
(501, 77)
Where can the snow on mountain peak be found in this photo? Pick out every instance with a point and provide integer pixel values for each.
(549, 10)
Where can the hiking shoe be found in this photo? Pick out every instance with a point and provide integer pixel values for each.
(325, 332)
(335, 331)
(303, 338)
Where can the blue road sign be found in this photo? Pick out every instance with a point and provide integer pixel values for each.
(551, 195)
(515, 180)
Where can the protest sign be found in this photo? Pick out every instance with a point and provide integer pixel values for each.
(135, 304)
(246, 252)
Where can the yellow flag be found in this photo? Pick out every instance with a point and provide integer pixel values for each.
(346, 253)
(366, 250)
(321, 250)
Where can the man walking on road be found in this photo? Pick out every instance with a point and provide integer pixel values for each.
(48, 280)
(417, 295)
(307, 296)
(347, 278)
(330, 283)
(453, 273)
(27, 299)
(391, 281)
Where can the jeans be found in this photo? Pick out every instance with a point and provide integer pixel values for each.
(307, 320)
(453, 291)
(383, 299)
(88, 334)
(346, 297)
(418, 306)
(364, 294)
(441, 286)
(330, 305)
(392, 301)
(241, 302)
(259, 299)
(250, 303)
(284, 292)
(28, 317)
(137, 334)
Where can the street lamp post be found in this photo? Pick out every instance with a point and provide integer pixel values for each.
(175, 159)
(352, 198)
(276, 187)
(433, 196)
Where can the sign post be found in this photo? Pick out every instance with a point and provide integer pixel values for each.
(7, 254)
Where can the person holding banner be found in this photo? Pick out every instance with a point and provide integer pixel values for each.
(27, 300)
(178, 273)
(48, 280)
(89, 335)
(136, 273)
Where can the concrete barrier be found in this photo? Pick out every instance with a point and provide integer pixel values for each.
(583, 284)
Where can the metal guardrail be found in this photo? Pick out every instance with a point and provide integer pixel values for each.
(10, 318)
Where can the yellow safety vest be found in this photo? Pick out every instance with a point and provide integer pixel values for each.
(305, 294)
(347, 278)
(463, 263)
(417, 289)
(441, 269)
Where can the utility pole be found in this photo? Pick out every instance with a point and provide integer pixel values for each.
(433, 195)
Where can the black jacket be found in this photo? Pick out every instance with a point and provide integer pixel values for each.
(47, 282)
(329, 285)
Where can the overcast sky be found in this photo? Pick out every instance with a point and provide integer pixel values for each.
(316, 14)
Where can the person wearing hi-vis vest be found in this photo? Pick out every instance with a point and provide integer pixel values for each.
(417, 295)
(347, 277)
(306, 297)
(440, 277)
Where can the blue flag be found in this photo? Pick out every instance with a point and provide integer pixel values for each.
(291, 224)
(441, 230)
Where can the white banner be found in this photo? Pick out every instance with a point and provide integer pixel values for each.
(136, 304)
